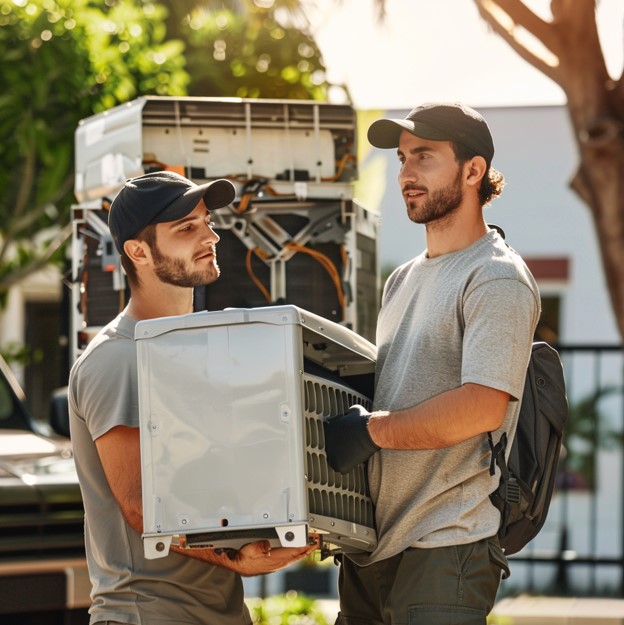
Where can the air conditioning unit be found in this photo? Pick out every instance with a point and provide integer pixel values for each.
(285, 147)
(232, 405)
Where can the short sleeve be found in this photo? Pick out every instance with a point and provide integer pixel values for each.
(106, 388)
(500, 318)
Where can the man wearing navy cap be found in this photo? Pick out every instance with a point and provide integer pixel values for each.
(160, 223)
(454, 337)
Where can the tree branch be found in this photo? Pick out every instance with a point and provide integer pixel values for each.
(619, 86)
(524, 17)
(20, 225)
(26, 180)
(39, 262)
(487, 10)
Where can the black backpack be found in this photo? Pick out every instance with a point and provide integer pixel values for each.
(528, 477)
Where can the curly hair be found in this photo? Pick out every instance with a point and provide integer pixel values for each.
(493, 181)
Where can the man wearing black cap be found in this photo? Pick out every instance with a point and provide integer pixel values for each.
(454, 338)
(160, 223)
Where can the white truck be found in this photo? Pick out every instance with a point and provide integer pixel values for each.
(43, 573)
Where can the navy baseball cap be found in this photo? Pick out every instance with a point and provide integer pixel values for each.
(437, 121)
(159, 197)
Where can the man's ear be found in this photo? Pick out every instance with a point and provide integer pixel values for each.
(476, 168)
(137, 251)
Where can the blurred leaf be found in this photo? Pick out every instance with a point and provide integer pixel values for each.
(65, 60)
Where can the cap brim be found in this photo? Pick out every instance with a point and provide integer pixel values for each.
(216, 194)
(385, 133)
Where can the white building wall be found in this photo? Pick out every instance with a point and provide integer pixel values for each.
(43, 286)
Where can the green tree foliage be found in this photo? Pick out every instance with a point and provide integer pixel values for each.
(289, 609)
(253, 50)
(587, 432)
(63, 60)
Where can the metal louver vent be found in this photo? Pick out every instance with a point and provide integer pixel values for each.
(338, 504)
(333, 496)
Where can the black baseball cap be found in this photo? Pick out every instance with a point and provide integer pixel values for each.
(437, 121)
(159, 197)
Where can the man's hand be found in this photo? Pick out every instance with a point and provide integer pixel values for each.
(347, 441)
(259, 558)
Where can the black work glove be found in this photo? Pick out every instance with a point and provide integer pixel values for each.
(347, 441)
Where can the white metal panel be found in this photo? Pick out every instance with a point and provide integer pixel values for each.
(221, 429)
(109, 150)
(260, 153)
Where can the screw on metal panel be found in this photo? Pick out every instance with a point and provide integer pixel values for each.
(184, 521)
(160, 546)
(289, 536)
(265, 515)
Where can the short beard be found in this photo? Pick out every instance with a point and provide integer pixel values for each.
(173, 271)
(441, 203)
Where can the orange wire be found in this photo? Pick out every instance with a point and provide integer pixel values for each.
(341, 165)
(327, 264)
(254, 278)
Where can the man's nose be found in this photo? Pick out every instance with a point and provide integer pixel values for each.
(407, 178)
(211, 236)
(407, 173)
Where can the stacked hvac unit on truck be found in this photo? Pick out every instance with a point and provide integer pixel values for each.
(286, 329)
(293, 235)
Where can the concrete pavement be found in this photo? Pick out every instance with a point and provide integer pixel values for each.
(529, 610)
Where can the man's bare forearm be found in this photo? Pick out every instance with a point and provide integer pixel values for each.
(442, 421)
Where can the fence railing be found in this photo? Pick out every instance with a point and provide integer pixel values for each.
(580, 550)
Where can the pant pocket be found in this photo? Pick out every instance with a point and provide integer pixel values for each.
(497, 557)
(426, 614)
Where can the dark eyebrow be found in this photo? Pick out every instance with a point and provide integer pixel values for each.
(417, 150)
(180, 222)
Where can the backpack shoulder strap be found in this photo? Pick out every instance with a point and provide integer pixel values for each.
(498, 455)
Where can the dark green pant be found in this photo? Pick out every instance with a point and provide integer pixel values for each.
(443, 586)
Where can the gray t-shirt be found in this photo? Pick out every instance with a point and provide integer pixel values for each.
(464, 317)
(128, 588)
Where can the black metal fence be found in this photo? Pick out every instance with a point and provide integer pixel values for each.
(580, 550)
